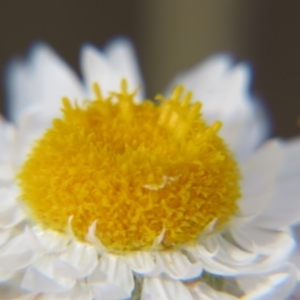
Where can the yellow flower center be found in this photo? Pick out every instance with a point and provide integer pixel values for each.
(142, 171)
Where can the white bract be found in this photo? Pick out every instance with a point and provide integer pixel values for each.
(248, 258)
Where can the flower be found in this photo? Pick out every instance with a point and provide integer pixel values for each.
(117, 198)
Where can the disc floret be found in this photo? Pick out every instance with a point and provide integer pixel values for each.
(137, 169)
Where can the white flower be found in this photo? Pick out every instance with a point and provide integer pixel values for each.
(246, 254)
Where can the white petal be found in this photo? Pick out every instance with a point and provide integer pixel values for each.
(274, 286)
(291, 155)
(10, 212)
(16, 253)
(177, 265)
(259, 174)
(91, 236)
(275, 246)
(232, 255)
(43, 79)
(16, 261)
(164, 289)
(6, 172)
(267, 240)
(112, 279)
(79, 292)
(40, 277)
(141, 262)
(11, 217)
(284, 210)
(31, 240)
(205, 75)
(255, 131)
(23, 249)
(213, 266)
(8, 196)
(5, 234)
(205, 292)
(209, 247)
(50, 240)
(207, 254)
(97, 67)
(78, 260)
(32, 125)
(7, 137)
(122, 56)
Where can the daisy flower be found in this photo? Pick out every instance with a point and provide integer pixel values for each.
(107, 195)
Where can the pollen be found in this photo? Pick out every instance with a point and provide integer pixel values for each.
(148, 174)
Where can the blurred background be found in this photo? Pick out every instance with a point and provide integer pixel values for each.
(171, 36)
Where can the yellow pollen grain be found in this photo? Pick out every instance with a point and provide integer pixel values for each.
(137, 169)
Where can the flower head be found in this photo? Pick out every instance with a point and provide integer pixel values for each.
(119, 197)
(134, 169)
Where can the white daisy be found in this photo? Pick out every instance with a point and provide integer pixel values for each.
(118, 198)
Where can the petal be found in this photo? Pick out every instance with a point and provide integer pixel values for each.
(164, 289)
(231, 255)
(96, 68)
(40, 277)
(205, 292)
(8, 196)
(22, 249)
(16, 261)
(178, 266)
(10, 212)
(141, 262)
(213, 266)
(274, 286)
(255, 131)
(5, 235)
(201, 252)
(91, 237)
(7, 136)
(207, 253)
(284, 210)
(79, 292)
(259, 174)
(11, 217)
(112, 279)
(50, 240)
(108, 71)
(32, 125)
(16, 253)
(204, 77)
(43, 79)
(31, 240)
(6, 172)
(122, 56)
(78, 260)
(274, 246)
